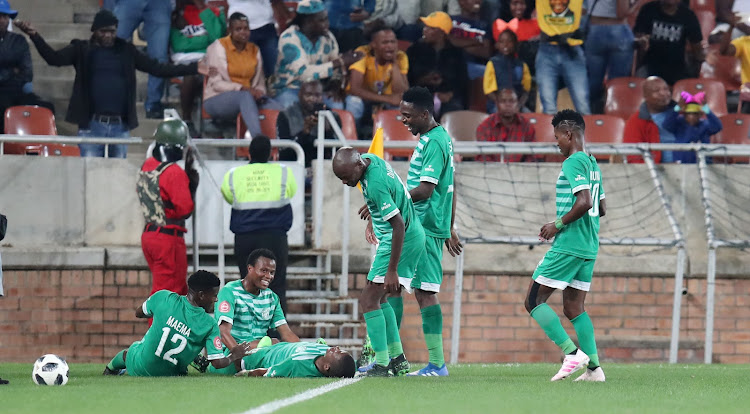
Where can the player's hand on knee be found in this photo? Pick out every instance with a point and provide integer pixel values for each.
(391, 284)
(364, 212)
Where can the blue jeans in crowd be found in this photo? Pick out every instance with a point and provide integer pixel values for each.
(353, 104)
(156, 18)
(555, 63)
(104, 130)
(267, 41)
(609, 50)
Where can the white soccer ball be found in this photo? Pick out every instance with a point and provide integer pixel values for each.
(50, 369)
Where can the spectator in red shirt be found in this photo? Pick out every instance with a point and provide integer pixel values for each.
(505, 126)
(166, 193)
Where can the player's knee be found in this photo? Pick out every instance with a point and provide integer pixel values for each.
(572, 310)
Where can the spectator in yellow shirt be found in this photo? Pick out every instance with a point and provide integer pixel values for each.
(739, 48)
(379, 78)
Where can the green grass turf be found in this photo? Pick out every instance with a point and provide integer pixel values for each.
(470, 389)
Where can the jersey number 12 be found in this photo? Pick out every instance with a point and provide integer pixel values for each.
(175, 339)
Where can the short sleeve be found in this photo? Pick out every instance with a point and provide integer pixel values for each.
(154, 303)
(378, 195)
(403, 62)
(278, 314)
(575, 173)
(360, 65)
(214, 347)
(740, 45)
(224, 309)
(433, 162)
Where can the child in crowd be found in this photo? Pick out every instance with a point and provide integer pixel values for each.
(527, 30)
(505, 70)
(689, 126)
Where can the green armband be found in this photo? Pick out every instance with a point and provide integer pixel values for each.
(559, 224)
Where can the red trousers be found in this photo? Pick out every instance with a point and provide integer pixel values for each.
(166, 256)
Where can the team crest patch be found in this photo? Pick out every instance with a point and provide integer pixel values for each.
(217, 343)
(267, 313)
(224, 306)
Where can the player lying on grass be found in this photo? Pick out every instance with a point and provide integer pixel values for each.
(180, 330)
(402, 239)
(297, 360)
(569, 263)
(247, 308)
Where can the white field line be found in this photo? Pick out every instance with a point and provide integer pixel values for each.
(273, 406)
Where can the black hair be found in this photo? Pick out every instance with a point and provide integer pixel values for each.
(513, 38)
(260, 148)
(377, 27)
(253, 257)
(167, 152)
(343, 368)
(421, 98)
(569, 118)
(506, 15)
(300, 19)
(203, 280)
(237, 17)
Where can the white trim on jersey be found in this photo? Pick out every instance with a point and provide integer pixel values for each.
(581, 187)
(225, 318)
(391, 214)
(429, 180)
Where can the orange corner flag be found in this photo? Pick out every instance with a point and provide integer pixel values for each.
(376, 147)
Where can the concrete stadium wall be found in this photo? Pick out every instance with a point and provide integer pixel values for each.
(87, 315)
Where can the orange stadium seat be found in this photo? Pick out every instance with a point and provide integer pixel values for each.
(735, 130)
(393, 130)
(605, 129)
(462, 125)
(268, 119)
(624, 96)
(544, 132)
(716, 95)
(348, 124)
(34, 120)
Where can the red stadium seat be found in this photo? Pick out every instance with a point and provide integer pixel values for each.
(624, 96)
(34, 120)
(462, 125)
(735, 131)
(348, 124)
(268, 119)
(403, 45)
(606, 129)
(544, 132)
(393, 130)
(477, 98)
(709, 5)
(728, 71)
(716, 95)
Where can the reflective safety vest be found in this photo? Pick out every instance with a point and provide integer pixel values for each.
(260, 195)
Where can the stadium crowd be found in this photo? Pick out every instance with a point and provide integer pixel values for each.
(256, 55)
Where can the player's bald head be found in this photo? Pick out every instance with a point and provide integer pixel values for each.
(348, 166)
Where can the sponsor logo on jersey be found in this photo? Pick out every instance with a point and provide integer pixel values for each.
(385, 206)
(429, 168)
(266, 313)
(579, 177)
(224, 306)
(217, 343)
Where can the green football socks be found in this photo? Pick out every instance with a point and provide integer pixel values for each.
(550, 323)
(585, 331)
(118, 362)
(432, 326)
(397, 303)
(375, 322)
(391, 331)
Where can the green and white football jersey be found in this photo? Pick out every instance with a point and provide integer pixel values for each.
(432, 161)
(387, 196)
(251, 316)
(287, 359)
(581, 237)
(177, 335)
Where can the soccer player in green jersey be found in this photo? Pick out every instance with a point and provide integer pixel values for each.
(247, 308)
(298, 360)
(401, 244)
(569, 264)
(180, 329)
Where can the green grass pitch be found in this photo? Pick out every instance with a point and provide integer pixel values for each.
(513, 388)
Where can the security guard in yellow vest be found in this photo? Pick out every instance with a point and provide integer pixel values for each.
(261, 194)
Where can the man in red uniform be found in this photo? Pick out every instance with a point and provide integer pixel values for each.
(166, 193)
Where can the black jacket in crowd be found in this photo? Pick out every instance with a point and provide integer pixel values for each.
(77, 54)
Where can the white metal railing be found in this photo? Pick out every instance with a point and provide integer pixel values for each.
(56, 139)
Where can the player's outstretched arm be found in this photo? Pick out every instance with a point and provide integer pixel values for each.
(237, 353)
(397, 243)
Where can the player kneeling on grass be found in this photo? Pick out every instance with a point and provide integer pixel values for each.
(298, 360)
(180, 330)
(402, 239)
(569, 264)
